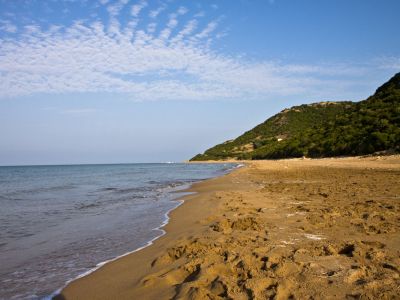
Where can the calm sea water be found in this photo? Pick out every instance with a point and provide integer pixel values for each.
(57, 222)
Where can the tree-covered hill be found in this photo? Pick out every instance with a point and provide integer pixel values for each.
(321, 130)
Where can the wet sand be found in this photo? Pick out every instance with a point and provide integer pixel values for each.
(287, 229)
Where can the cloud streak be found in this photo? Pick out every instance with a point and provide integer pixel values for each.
(171, 61)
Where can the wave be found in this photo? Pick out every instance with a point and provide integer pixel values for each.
(149, 243)
(157, 189)
(99, 265)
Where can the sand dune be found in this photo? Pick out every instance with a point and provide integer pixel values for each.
(288, 229)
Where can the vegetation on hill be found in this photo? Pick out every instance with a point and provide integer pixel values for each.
(321, 130)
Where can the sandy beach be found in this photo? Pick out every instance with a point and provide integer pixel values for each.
(287, 229)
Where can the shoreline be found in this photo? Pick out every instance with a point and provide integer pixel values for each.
(156, 271)
(180, 199)
(103, 263)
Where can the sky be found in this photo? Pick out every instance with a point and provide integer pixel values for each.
(120, 81)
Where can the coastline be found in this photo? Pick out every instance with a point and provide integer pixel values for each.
(56, 293)
(191, 190)
(232, 209)
(183, 191)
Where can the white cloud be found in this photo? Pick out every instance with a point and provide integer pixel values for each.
(172, 23)
(114, 9)
(175, 64)
(206, 31)
(182, 10)
(151, 27)
(7, 26)
(188, 29)
(200, 14)
(32, 29)
(154, 13)
(137, 8)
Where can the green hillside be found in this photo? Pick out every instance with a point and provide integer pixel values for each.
(321, 130)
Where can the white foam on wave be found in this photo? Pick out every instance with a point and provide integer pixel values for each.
(99, 265)
(149, 243)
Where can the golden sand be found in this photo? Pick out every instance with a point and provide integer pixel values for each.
(287, 229)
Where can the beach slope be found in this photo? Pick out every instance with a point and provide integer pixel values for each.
(287, 229)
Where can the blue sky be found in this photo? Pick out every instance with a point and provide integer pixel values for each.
(150, 81)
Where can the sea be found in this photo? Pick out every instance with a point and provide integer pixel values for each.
(58, 223)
